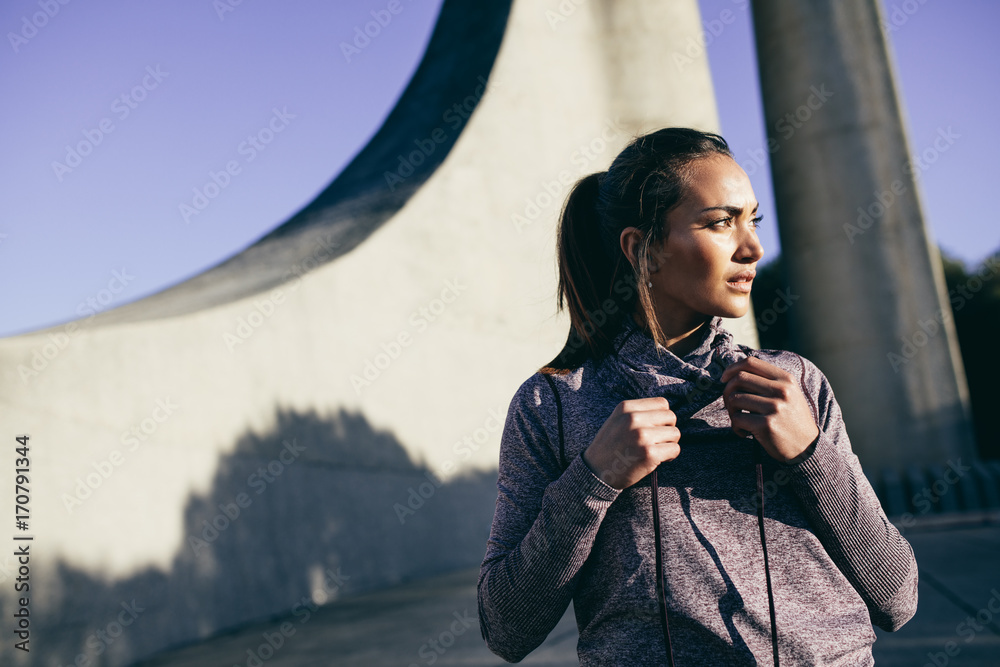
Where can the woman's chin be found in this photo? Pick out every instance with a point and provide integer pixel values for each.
(734, 310)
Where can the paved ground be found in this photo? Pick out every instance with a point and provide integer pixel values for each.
(959, 559)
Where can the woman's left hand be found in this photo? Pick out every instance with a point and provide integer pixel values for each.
(777, 413)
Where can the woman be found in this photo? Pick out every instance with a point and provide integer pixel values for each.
(697, 500)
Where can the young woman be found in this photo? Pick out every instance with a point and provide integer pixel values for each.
(697, 500)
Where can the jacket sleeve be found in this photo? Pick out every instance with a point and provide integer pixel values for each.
(847, 516)
(543, 529)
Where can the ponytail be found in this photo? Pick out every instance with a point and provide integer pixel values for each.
(589, 272)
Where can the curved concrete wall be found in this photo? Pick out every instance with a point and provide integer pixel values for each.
(206, 461)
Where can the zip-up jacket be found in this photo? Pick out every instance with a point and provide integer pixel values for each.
(837, 566)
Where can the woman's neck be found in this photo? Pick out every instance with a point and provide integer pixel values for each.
(679, 339)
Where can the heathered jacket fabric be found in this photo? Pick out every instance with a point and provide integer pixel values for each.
(560, 533)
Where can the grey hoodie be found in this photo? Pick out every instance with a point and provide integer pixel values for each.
(560, 533)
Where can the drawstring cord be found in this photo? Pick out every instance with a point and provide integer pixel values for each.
(759, 453)
(661, 597)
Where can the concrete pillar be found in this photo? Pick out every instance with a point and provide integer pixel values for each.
(874, 313)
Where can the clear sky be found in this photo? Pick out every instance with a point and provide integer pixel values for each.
(146, 142)
(200, 89)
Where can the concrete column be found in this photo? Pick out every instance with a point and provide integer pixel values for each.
(874, 313)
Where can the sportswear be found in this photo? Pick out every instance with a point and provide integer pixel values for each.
(560, 533)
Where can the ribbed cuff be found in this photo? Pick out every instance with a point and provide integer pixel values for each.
(592, 484)
(581, 478)
(838, 498)
(527, 591)
(808, 452)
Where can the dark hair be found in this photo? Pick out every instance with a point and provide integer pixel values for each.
(596, 280)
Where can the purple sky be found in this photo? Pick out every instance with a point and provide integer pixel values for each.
(221, 79)
(164, 94)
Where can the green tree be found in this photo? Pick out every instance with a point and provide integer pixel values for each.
(975, 304)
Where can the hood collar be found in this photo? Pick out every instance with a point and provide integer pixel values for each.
(642, 368)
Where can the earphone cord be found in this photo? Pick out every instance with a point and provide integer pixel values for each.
(661, 598)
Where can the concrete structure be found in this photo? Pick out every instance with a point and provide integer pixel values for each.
(873, 314)
(320, 415)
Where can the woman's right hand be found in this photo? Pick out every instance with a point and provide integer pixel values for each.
(638, 436)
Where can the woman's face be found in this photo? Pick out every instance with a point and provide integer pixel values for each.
(707, 263)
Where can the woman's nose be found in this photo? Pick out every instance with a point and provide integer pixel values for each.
(750, 247)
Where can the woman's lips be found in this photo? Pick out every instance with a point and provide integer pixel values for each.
(742, 281)
(743, 286)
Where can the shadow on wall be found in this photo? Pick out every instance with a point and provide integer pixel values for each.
(316, 509)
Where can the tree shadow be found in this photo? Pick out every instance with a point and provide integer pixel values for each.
(303, 513)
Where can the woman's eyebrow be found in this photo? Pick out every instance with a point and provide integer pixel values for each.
(731, 210)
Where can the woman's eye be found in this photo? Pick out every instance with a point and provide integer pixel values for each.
(726, 221)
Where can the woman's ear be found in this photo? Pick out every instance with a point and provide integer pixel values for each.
(631, 241)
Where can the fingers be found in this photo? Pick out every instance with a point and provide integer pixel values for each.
(657, 435)
(752, 403)
(643, 404)
(754, 366)
(647, 412)
(747, 383)
(667, 451)
(744, 424)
